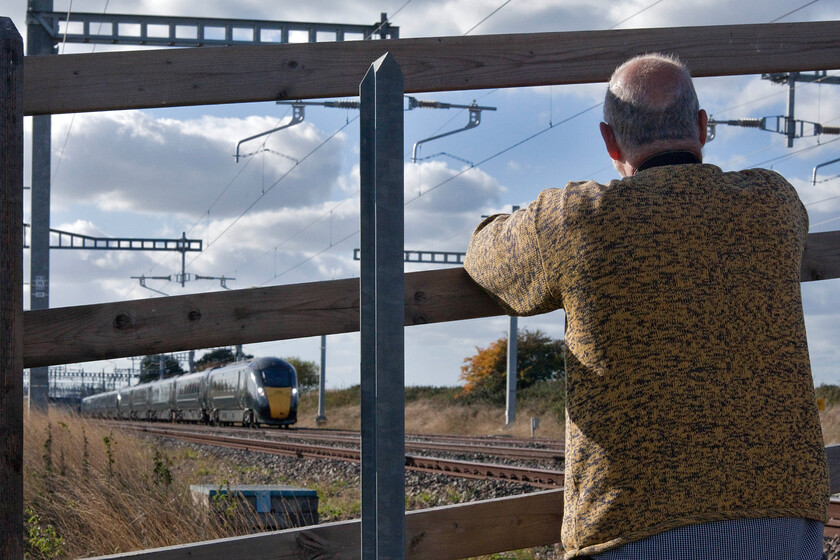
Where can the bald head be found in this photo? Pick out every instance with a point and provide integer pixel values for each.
(651, 104)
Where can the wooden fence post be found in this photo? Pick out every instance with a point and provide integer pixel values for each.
(11, 291)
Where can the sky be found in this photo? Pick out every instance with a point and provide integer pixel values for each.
(288, 212)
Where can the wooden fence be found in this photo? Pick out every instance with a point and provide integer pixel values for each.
(108, 81)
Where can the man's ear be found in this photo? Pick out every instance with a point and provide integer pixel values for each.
(610, 142)
(703, 123)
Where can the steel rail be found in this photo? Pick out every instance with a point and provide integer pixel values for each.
(429, 444)
(466, 469)
(469, 469)
(426, 443)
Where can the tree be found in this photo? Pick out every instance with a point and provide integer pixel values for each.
(217, 358)
(539, 358)
(308, 374)
(150, 367)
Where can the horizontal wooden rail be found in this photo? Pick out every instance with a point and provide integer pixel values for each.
(211, 75)
(130, 328)
(443, 533)
(151, 326)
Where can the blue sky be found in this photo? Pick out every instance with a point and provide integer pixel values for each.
(157, 173)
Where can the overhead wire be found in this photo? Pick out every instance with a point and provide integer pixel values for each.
(228, 186)
(73, 117)
(206, 213)
(825, 222)
(637, 13)
(497, 154)
(822, 200)
(505, 150)
(271, 187)
(303, 262)
(797, 152)
(779, 93)
(250, 159)
(491, 157)
(265, 191)
(387, 20)
(794, 11)
(301, 230)
(488, 16)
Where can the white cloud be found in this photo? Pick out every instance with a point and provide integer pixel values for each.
(154, 174)
(132, 161)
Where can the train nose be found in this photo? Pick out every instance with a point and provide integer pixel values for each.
(279, 401)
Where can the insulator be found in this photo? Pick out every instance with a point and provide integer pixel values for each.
(750, 123)
(432, 104)
(830, 130)
(343, 104)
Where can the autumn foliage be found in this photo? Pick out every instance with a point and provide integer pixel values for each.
(539, 358)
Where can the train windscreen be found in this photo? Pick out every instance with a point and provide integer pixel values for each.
(279, 376)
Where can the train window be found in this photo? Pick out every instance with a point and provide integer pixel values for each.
(279, 376)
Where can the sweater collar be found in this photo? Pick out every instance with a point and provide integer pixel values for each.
(678, 157)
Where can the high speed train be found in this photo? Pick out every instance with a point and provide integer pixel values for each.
(260, 391)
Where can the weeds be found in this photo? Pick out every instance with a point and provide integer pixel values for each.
(103, 501)
(223, 501)
(109, 453)
(85, 453)
(47, 456)
(42, 541)
(162, 474)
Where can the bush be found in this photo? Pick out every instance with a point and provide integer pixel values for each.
(831, 393)
(539, 358)
(308, 374)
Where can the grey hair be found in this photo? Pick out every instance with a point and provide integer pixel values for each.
(640, 113)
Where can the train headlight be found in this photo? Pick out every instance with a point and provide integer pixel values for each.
(261, 391)
(294, 391)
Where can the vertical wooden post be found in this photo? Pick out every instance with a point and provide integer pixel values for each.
(11, 291)
(382, 312)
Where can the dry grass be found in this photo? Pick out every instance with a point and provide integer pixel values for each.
(89, 491)
(439, 416)
(830, 421)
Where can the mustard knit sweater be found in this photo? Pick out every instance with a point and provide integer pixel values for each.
(688, 384)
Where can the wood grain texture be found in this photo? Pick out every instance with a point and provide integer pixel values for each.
(150, 326)
(443, 533)
(211, 75)
(11, 292)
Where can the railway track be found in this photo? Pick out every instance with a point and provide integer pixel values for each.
(251, 440)
(510, 448)
(496, 447)
(544, 478)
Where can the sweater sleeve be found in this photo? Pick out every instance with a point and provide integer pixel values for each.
(505, 258)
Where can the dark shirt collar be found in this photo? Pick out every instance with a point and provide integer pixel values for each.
(678, 157)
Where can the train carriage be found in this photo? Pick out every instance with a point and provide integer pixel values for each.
(190, 402)
(162, 400)
(123, 404)
(262, 391)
